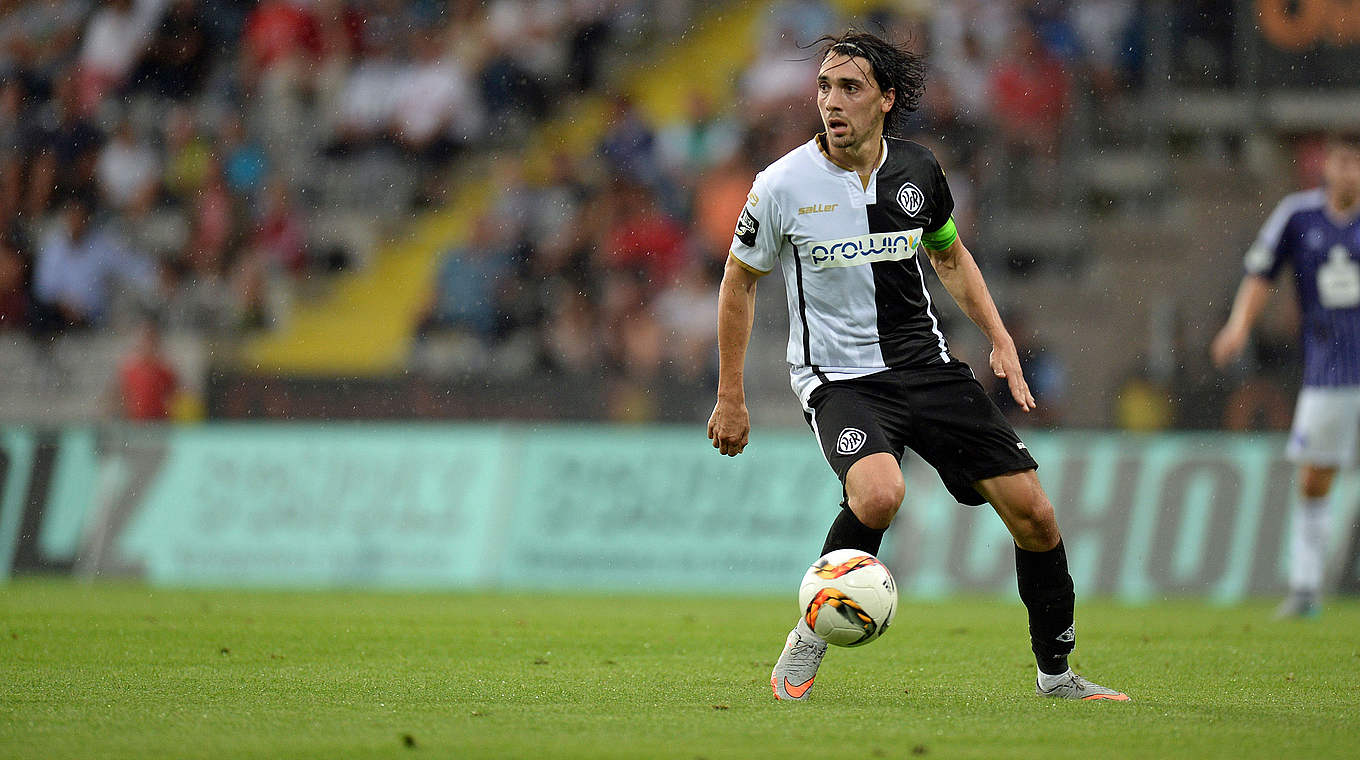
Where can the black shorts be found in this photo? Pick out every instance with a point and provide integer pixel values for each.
(940, 412)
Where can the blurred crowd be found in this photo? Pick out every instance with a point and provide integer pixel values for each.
(202, 164)
(613, 262)
(200, 161)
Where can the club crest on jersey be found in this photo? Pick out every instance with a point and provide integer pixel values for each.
(910, 198)
(850, 440)
(747, 227)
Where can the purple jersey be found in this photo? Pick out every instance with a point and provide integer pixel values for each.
(1324, 252)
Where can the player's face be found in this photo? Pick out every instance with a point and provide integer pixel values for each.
(1341, 171)
(849, 101)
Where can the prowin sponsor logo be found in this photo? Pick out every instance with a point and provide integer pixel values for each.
(866, 249)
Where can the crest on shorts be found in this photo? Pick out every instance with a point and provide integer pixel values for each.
(850, 440)
(910, 198)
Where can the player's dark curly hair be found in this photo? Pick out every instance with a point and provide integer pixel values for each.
(894, 67)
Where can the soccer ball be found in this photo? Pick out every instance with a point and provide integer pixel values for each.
(848, 597)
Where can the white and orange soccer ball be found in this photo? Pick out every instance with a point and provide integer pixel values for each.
(848, 597)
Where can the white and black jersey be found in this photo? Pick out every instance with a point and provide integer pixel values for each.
(850, 254)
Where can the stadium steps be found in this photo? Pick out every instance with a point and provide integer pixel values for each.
(364, 326)
(1158, 281)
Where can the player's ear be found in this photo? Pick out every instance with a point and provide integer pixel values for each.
(889, 98)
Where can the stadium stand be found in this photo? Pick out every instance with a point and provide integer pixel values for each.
(304, 176)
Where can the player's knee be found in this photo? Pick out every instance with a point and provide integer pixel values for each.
(1315, 487)
(1315, 482)
(876, 503)
(1034, 526)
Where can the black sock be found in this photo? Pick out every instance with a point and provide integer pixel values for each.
(847, 532)
(1046, 590)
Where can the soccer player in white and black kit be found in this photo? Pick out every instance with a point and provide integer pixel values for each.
(1317, 233)
(846, 217)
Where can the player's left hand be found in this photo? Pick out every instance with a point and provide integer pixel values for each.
(1006, 365)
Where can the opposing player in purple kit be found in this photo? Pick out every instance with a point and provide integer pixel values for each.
(845, 217)
(1316, 233)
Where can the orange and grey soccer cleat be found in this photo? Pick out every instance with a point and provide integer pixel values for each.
(1074, 686)
(797, 666)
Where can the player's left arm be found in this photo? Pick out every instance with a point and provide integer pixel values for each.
(961, 277)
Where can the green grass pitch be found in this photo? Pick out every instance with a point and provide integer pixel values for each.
(123, 671)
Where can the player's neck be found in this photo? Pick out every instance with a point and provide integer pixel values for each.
(861, 158)
(1343, 208)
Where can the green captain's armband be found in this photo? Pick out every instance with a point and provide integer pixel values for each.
(943, 237)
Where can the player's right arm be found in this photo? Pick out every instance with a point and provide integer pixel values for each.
(730, 426)
(1263, 262)
(1252, 296)
(755, 247)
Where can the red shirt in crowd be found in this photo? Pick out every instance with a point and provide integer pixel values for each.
(147, 385)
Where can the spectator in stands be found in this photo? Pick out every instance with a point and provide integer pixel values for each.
(512, 94)
(67, 146)
(200, 298)
(557, 209)
(628, 147)
(244, 161)
(1108, 31)
(14, 286)
(1030, 91)
(129, 172)
(213, 217)
(961, 106)
(702, 139)
(642, 240)
(188, 155)
(367, 107)
(633, 346)
(719, 196)
(79, 264)
(587, 41)
(572, 339)
(467, 289)
(177, 58)
(40, 36)
(436, 109)
(685, 314)
(280, 34)
(16, 138)
(1142, 403)
(115, 38)
(777, 79)
(280, 235)
(147, 383)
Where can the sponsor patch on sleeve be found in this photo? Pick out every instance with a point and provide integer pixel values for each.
(747, 226)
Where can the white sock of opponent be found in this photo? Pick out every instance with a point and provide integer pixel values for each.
(1308, 545)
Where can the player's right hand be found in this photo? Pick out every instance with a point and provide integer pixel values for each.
(730, 427)
(1227, 345)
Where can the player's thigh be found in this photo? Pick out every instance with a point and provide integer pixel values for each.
(1326, 427)
(959, 431)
